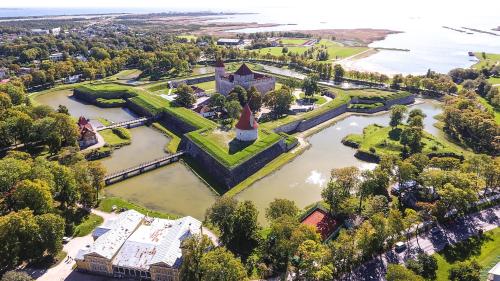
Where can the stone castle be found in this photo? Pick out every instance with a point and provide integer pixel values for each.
(244, 77)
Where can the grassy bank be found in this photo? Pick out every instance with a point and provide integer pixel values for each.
(379, 140)
(88, 225)
(487, 61)
(116, 137)
(484, 250)
(175, 140)
(268, 169)
(495, 110)
(107, 204)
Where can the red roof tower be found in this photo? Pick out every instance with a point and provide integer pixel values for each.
(247, 121)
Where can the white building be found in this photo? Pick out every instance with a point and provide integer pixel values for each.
(55, 31)
(56, 56)
(247, 126)
(244, 77)
(494, 273)
(138, 247)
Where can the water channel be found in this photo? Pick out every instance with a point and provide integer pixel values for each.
(175, 189)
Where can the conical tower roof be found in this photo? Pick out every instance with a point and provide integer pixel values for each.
(247, 120)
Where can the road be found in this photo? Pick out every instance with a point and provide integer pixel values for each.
(461, 229)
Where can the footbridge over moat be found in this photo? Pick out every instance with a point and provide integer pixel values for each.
(142, 168)
(127, 124)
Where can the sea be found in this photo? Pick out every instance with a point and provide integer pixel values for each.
(422, 25)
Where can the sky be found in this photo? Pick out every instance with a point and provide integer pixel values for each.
(441, 6)
(358, 8)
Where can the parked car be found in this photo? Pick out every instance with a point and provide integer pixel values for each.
(66, 239)
(435, 230)
(400, 246)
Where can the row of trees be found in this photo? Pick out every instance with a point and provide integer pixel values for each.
(466, 120)
(286, 246)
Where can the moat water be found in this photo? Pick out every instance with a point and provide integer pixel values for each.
(175, 189)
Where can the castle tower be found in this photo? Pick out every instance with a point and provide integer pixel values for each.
(220, 70)
(247, 126)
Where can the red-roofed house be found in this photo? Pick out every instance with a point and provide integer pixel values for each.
(88, 136)
(247, 126)
(244, 77)
(324, 223)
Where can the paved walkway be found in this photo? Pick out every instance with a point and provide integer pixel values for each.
(459, 230)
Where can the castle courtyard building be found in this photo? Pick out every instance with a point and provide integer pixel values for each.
(244, 77)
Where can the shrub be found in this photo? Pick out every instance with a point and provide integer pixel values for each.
(122, 133)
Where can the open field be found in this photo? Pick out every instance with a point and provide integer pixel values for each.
(317, 99)
(494, 80)
(278, 51)
(337, 50)
(293, 41)
(484, 250)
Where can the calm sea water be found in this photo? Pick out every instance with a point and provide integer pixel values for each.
(431, 46)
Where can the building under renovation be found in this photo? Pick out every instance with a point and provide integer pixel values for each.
(139, 247)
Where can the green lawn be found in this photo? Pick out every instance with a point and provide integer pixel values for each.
(207, 86)
(317, 99)
(293, 41)
(229, 151)
(485, 251)
(88, 225)
(126, 74)
(277, 51)
(376, 94)
(113, 138)
(107, 204)
(383, 140)
(337, 50)
(188, 37)
(491, 59)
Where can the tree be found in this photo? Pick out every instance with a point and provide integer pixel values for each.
(11, 171)
(281, 207)
(193, 250)
(254, 99)
(335, 196)
(411, 137)
(397, 115)
(34, 195)
(217, 101)
(19, 233)
(343, 252)
(63, 109)
(465, 271)
(16, 276)
(221, 265)
(397, 80)
(455, 198)
(396, 272)
(338, 71)
(284, 238)
(279, 100)
(309, 260)
(395, 223)
(5, 101)
(66, 186)
(185, 96)
(424, 265)
(51, 232)
(310, 85)
(245, 228)
(365, 239)
(221, 215)
(233, 109)
(241, 93)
